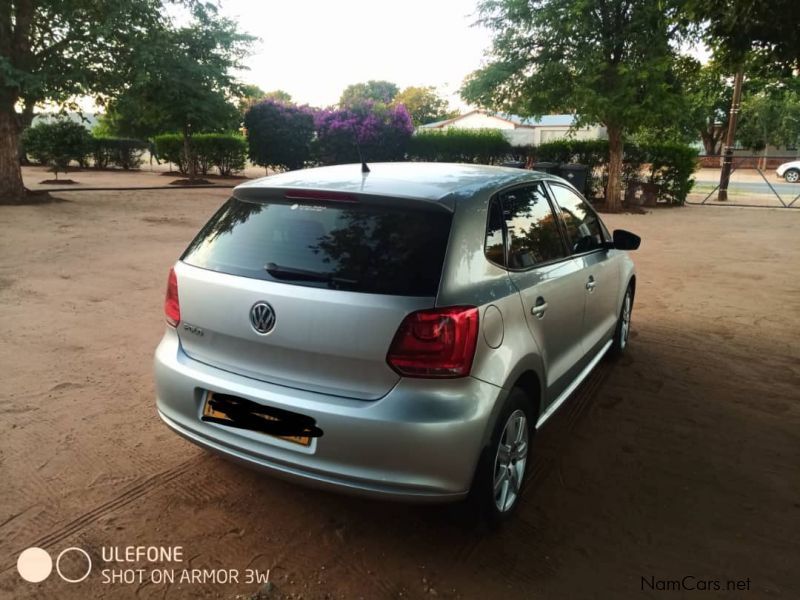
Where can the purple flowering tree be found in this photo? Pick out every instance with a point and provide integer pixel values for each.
(279, 134)
(381, 131)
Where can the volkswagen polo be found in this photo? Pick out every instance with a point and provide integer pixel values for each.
(399, 331)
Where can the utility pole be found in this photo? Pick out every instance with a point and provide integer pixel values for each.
(727, 161)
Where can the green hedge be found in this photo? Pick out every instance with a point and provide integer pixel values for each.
(169, 148)
(125, 153)
(227, 152)
(34, 145)
(668, 165)
(485, 146)
(671, 166)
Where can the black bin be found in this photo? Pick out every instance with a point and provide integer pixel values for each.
(575, 174)
(546, 167)
(514, 164)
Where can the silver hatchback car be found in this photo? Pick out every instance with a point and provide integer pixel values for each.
(399, 333)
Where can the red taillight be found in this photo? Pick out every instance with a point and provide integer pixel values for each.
(172, 308)
(435, 343)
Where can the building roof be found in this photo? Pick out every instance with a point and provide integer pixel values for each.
(418, 180)
(544, 121)
(88, 120)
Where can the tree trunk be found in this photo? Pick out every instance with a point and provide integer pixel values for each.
(615, 152)
(710, 143)
(24, 120)
(191, 167)
(11, 188)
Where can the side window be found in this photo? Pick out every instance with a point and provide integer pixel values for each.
(494, 247)
(533, 234)
(584, 229)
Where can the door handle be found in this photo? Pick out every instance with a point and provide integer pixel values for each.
(591, 283)
(539, 308)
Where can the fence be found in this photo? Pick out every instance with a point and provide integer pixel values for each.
(749, 185)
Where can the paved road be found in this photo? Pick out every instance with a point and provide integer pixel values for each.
(757, 187)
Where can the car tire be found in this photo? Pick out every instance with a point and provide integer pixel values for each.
(792, 175)
(623, 329)
(500, 475)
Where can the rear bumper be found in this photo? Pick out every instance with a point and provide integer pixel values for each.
(420, 442)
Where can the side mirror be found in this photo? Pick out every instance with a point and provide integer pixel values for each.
(625, 240)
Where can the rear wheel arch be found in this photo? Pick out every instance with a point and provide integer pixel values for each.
(524, 394)
(530, 383)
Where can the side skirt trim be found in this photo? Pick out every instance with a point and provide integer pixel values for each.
(573, 386)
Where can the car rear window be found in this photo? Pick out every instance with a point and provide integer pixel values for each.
(354, 247)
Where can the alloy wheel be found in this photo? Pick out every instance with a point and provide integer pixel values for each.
(510, 461)
(625, 326)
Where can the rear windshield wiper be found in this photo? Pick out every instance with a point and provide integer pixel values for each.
(292, 273)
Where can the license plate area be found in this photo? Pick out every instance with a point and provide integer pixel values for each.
(240, 413)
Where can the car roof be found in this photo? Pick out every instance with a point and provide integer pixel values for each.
(419, 180)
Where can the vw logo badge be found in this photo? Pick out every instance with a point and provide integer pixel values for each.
(262, 317)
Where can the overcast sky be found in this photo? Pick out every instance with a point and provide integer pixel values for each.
(313, 49)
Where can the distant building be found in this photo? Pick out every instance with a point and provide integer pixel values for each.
(88, 120)
(520, 131)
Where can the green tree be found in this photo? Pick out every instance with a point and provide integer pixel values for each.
(278, 96)
(609, 61)
(424, 105)
(707, 94)
(376, 91)
(707, 91)
(770, 118)
(54, 50)
(184, 80)
(248, 95)
(735, 28)
(251, 94)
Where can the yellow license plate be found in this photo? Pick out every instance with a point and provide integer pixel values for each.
(220, 415)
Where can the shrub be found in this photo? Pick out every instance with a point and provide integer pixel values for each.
(279, 134)
(585, 152)
(34, 144)
(378, 131)
(669, 165)
(485, 146)
(125, 153)
(227, 152)
(169, 148)
(57, 143)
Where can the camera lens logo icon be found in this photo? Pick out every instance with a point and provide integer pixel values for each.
(35, 564)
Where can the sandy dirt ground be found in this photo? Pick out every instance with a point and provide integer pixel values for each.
(149, 175)
(679, 460)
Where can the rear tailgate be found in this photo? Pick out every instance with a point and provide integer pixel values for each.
(331, 333)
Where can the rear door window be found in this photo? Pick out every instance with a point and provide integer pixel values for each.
(338, 245)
